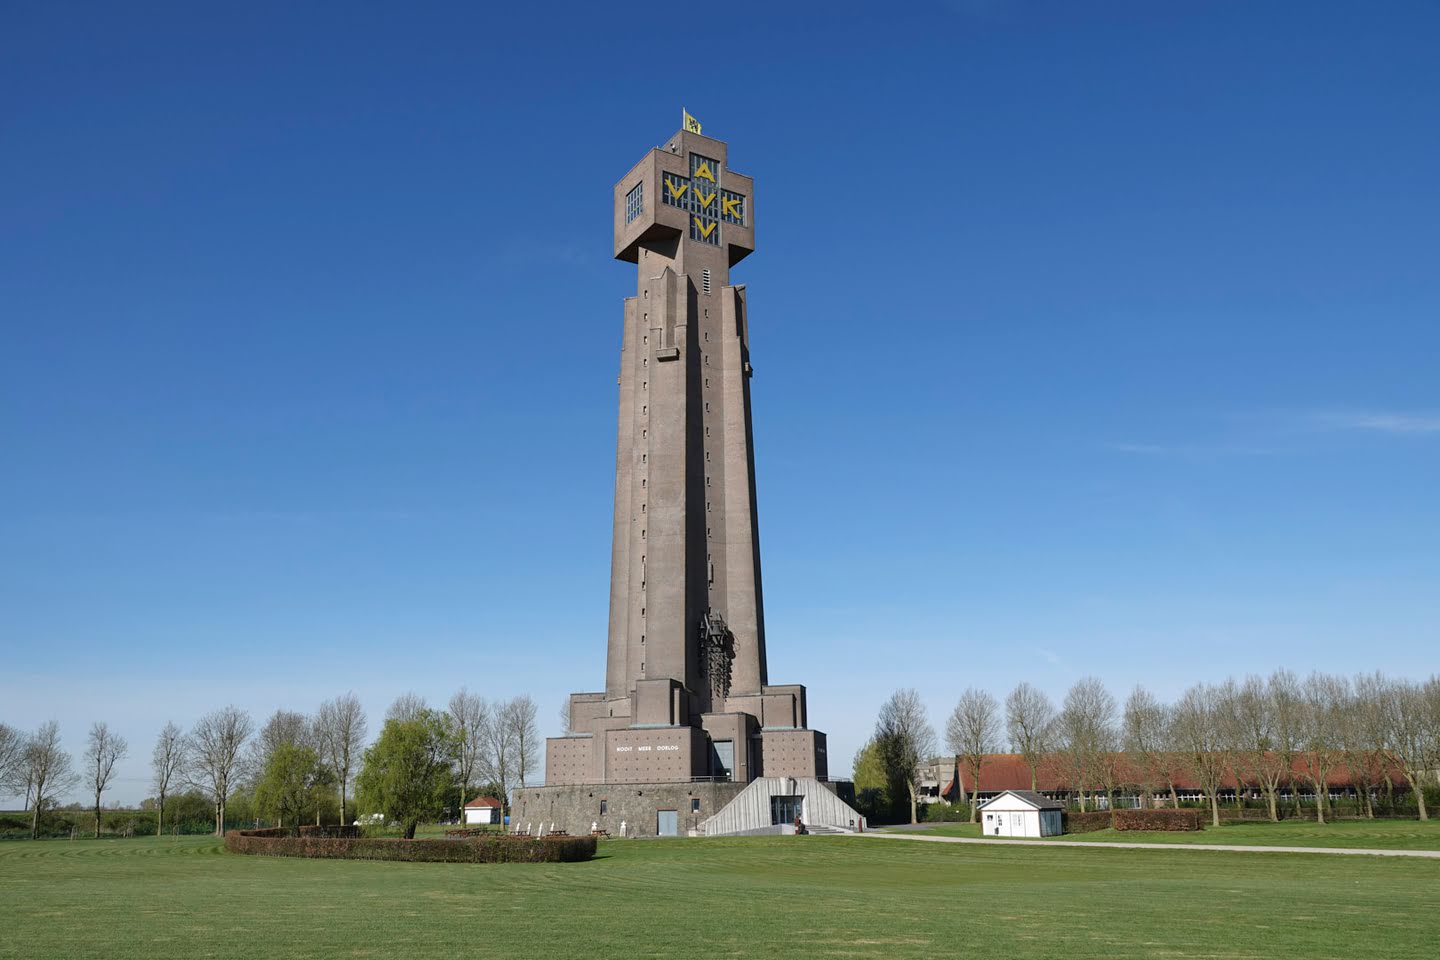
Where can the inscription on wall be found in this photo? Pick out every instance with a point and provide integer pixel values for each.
(651, 756)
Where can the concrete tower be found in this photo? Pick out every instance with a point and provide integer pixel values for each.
(687, 697)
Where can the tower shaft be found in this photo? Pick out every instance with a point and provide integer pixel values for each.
(686, 542)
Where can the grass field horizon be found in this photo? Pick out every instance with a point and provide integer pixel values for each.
(1350, 834)
(797, 896)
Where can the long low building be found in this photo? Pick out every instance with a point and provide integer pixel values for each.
(948, 779)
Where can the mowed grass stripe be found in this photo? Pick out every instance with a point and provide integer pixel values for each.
(798, 897)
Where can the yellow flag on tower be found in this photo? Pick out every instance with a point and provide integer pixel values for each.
(691, 124)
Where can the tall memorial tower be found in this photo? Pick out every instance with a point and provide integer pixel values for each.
(687, 697)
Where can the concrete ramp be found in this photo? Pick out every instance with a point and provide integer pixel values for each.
(771, 802)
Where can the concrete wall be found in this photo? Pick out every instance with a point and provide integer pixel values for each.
(750, 811)
(660, 755)
(574, 808)
(793, 753)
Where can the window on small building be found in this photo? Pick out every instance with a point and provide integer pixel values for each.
(695, 805)
(604, 807)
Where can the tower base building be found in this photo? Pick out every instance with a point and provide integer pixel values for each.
(688, 717)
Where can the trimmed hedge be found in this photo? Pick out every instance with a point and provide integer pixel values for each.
(1087, 822)
(1174, 820)
(1170, 820)
(282, 843)
(944, 812)
(336, 831)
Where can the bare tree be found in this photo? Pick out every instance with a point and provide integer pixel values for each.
(284, 728)
(972, 732)
(340, 731)
(12, 751)
(1110, 766)
(1144, 740)
(472, 716)
(408, 706)
(498, 759)
(45, 769)
(1084, 734)
(1322, 706)
(104, 751)
(167, 765)
(520, 715)
(218, 739)
(1410, 735)
(1173, 766)
(1283, 690)
(1199, 730)
(1430, 690)
(1362, 737)
(1029, 721)
(565, 718)
(905, 740)
(1261, 749)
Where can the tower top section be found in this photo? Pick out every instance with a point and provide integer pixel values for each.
(685, 192)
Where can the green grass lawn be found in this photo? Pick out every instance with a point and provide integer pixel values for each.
(783, 896)
(1378, 834)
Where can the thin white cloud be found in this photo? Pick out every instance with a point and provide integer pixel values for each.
(1194, 451)
(1145, 448)
(1381, 422)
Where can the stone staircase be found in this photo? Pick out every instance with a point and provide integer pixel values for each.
(822, 830)
(752, 812)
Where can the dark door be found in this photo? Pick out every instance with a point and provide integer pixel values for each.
(785, 809)
(722, 759)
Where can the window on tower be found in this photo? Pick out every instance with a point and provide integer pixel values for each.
(732, 207)
(635, 202)
(675, 191)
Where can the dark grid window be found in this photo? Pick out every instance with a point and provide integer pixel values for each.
(732, 207)
(635, 202)
(675, 191)
(704, 199)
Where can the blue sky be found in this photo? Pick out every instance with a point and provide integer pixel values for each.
(1089, 338)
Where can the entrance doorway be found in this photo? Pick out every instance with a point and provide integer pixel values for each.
(722, 759)
(786, 809)
(667, 823)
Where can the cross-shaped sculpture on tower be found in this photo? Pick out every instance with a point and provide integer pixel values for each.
(708, 204)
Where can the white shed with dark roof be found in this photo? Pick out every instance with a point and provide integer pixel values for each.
(482, 810)
(1021, 813)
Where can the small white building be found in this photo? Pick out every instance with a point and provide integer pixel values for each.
(1021, 813)
(482, 810)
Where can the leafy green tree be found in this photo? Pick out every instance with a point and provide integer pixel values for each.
(904, 740)
(406, 774)
(287, 784)
(872, 789)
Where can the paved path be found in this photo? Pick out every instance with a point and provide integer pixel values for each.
(1235, 848)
